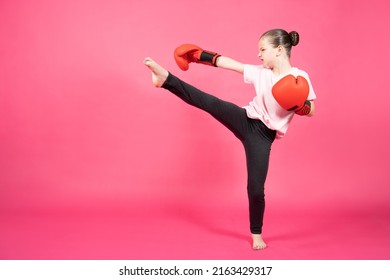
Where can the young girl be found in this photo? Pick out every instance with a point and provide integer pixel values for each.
(257, 124)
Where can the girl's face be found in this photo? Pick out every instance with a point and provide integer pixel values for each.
(267, 53)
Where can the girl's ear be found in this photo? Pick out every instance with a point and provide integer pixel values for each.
(279, 50)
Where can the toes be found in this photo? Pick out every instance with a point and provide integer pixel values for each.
(147, 61)
(259, 246)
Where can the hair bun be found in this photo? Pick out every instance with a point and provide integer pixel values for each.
(294, 36)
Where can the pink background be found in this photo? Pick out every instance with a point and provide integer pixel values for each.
(97, 164)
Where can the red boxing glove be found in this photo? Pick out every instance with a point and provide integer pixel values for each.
(291, 93)
(188, 53)
(305, 109)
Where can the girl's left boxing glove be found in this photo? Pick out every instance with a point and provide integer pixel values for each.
(188, 53)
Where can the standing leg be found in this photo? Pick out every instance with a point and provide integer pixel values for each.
(257, 149)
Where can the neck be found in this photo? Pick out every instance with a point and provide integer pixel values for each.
(281, 67)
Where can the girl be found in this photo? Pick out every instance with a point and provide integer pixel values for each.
(258, 123)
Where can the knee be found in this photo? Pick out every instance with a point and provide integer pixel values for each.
(256, 193)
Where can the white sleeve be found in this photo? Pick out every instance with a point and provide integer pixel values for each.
(250, 73)
(312, 94)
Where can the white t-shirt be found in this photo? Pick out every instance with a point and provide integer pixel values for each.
(264, 107)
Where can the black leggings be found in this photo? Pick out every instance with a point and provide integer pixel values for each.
(255, 136)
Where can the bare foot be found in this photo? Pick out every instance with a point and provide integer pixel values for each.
(258, 242)
(159, 74)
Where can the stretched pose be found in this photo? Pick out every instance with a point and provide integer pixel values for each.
(279, 96)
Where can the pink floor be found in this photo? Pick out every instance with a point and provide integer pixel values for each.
(175, 231)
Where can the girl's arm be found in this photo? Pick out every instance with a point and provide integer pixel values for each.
(230, 64)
